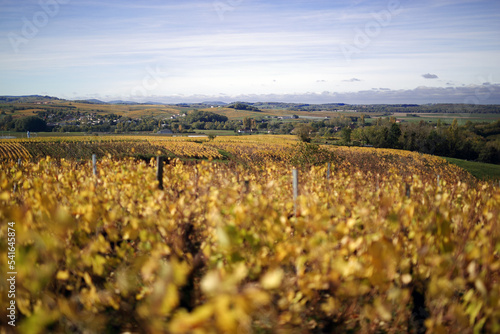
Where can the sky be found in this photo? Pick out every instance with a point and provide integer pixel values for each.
(314, 51)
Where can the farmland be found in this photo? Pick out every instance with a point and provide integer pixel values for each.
(462, 118)
(32, 106)
(384, 241)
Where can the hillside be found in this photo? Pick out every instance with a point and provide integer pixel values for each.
(383, 241)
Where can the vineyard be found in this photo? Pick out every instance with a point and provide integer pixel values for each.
(377, 241)
(13, 151)
(81, 148)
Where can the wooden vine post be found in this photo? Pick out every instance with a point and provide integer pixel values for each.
(94, 164)
(295, 175)
(159, 171)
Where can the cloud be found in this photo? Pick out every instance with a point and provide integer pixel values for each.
(471, 94)
(352, 80)
(429, 76)
(108, 47)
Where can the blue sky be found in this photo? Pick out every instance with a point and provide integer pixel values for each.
(352, 51)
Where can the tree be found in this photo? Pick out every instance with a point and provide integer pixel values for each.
(346, 134)
(490, 152)
(205, 116)
(253, 124)
(393, 136)
(303, 131)
(454, 125)
(31, 123)
(262, 126)
(247, 123)
(380, 135)
(7, 122)
(362, 119)
(243, 106)
(198, 125)
(360, 135)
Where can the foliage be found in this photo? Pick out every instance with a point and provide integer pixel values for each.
(79, 148)
(307, 154)
(393, 136)
(346, 134)
(243, 106)
(7, 122)
(380, 246)
(204, 116)
(249, 123)
(13, 151)
(303, 131)
(31, 123)
(464, 142)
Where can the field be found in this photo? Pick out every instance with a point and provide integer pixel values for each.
(165, 111)
(379, 241)
(478, 169)
(20, 135)
(137, 111)
(447, 118)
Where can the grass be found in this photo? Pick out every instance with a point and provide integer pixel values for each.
(216, 132)
(461, 118)
(42, 134)
(480, 170)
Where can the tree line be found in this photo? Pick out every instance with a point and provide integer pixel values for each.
(471, 141)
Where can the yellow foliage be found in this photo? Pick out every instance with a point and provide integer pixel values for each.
(221, 250)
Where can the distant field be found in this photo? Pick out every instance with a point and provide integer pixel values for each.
(233, 114)
(132, 111)
(461, 118)
(216, 132)
(478, 169)
(165, 111)
(41, 134)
